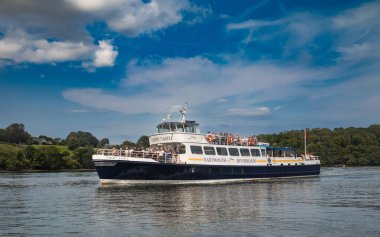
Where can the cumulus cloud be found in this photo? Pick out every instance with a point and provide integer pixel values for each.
(105, 55)
(56, 31)
(135, 17)
(95, 5)
(21, 47)
(18, 46)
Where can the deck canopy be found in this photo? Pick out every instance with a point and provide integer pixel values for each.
(187, 126)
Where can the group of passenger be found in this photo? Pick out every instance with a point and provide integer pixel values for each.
(229, 139)
(162, 152)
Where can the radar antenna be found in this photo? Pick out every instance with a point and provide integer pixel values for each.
(182, 110)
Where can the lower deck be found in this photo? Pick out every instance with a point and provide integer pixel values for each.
(128, 170)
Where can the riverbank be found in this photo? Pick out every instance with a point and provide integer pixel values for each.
(47, 171)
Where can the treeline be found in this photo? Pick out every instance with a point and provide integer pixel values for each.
(21, 151)
(340, 146)
(46, 157)
(16, 134)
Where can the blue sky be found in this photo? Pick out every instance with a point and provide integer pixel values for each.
(116, 68)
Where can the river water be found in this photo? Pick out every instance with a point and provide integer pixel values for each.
(341, 202)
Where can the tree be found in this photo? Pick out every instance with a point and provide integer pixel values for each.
(3, 135)
(84, 157)
(104, 142)
(143, 142)
(83, 139)
(72, 143)
(17, 163)
(128, 144)
(15, 133)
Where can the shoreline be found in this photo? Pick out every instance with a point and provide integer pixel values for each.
(47, 171)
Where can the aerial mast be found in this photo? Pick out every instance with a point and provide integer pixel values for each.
(182, 111)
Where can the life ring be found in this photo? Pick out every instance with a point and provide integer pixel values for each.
(209, 138)
(230, 139)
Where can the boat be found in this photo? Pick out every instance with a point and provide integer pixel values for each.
(180, 153)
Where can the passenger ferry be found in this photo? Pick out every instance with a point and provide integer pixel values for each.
(179, 153)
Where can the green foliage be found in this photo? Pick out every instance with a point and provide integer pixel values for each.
(104, 142)
(83, 155)
(128, 144)
(341, 146)
(81, 139)
(143, 142)
(16, 134)
(8, 156)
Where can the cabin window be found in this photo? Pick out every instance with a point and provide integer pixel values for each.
(264, 152)
(222, 151)
(244, 152)
(233, 151)
(209, 150)
(163, 128)
(255, 152)
(182, 149)
(196, 150)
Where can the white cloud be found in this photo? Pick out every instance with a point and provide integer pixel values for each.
(260, 111)
(57, 30)
(359, 33)
(18, 46)
(252, 24)
(198, 81)
(95, 5)
(138, 17)
(21, 47)
(135, 17)
(105, 55)
(75, 111)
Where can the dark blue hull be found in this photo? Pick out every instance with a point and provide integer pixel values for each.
(125, 170)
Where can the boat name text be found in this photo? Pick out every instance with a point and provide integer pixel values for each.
(162, 138)
(215, 159)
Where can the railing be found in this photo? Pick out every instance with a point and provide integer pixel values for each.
(162, 158)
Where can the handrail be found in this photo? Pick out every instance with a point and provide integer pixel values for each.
(165, 158)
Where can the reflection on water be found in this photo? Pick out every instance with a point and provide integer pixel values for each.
(341, 202)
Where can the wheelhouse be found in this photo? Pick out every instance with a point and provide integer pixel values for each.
(187, 126)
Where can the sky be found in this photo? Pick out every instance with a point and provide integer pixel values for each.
(116, 68)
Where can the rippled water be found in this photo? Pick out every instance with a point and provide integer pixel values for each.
(341, 202)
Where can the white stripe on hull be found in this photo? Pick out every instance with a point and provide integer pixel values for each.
(204, 181)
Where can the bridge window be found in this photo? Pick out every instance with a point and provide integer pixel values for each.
(233, 151)
(244, 152)
(196, 150)
(255, 152)
(222, 151)
(209, 150)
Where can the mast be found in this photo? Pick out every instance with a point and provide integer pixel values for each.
(182, 110)
(305, 139)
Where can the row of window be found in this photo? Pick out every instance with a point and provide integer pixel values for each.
(223, 151)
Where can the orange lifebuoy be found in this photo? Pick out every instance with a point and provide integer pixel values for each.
(230, 139)
(209, 138)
